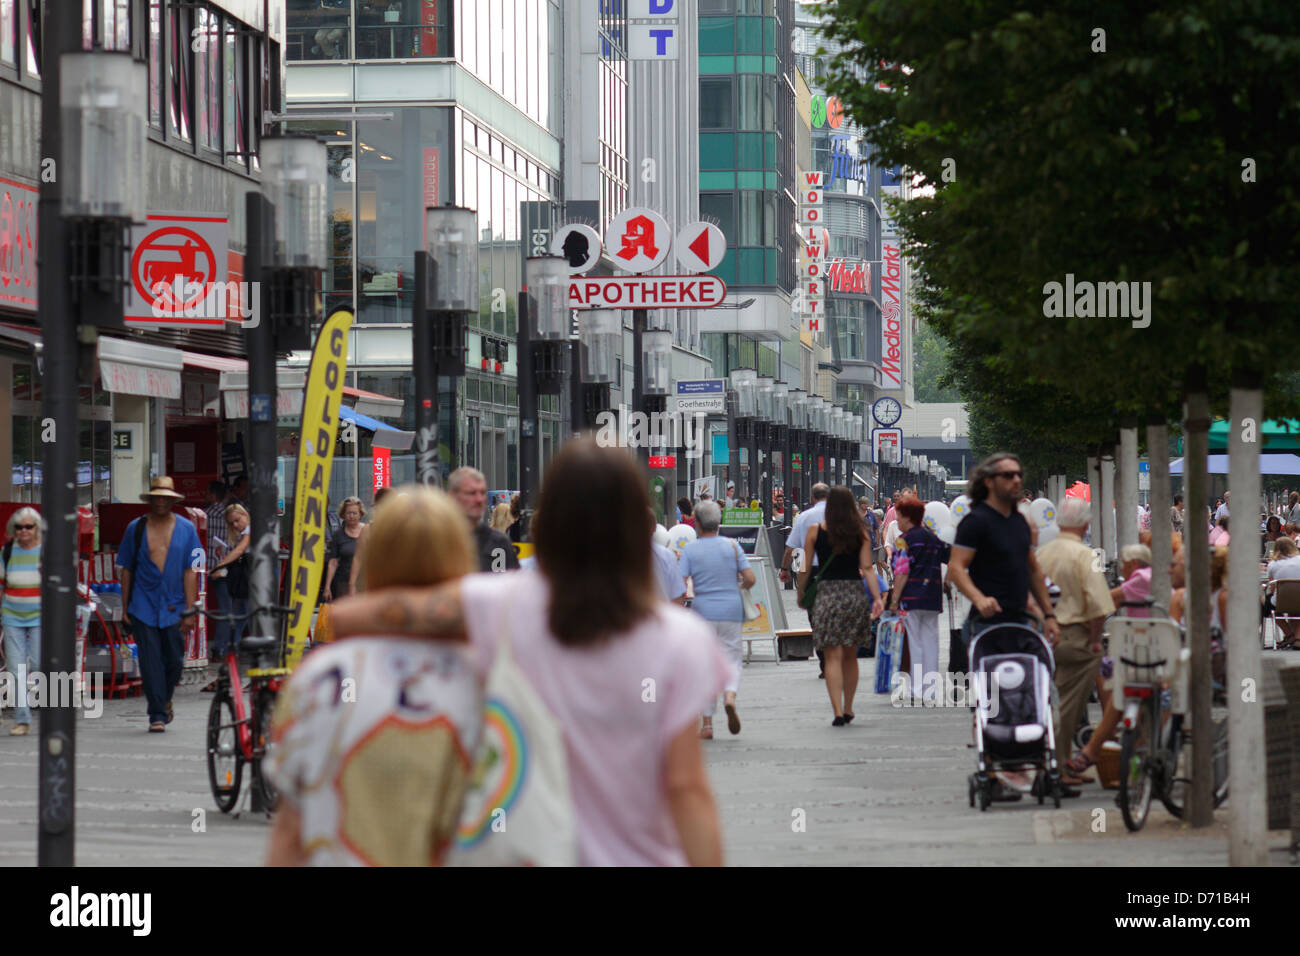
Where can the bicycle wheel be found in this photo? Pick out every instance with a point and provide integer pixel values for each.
(263, 709)
(1137, 745)
(1179, 787)
(225, 762)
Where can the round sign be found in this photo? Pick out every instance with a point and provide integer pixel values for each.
(578, 243)
(638, 239)
(887, 411)
(700, 247)
(174, 268)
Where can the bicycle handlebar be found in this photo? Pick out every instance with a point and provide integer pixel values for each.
(234, 618)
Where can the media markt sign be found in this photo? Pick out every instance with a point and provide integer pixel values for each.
(734, 516)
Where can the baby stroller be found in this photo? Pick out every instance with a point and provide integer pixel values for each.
(1012, 670)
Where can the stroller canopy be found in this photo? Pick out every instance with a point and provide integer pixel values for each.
(1011, 639)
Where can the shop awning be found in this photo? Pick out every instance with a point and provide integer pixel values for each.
(1268, 465)
(214, 363)
(385, 435)
(372, 403)
(135, 368)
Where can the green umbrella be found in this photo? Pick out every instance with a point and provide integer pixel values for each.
(1274, 435)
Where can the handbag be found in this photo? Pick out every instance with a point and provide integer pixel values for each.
(237, 577)
(810, 591)
(747, 601)
(518, 809)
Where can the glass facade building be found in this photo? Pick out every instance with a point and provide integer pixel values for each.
(470, 116)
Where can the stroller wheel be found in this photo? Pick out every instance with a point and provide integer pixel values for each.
(970, 787)
(986, 795)
(1039, 789)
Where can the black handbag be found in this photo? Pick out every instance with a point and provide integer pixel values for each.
(237, 577)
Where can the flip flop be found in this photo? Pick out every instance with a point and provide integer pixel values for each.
(157, 728)
(706, 733)
(733, 720)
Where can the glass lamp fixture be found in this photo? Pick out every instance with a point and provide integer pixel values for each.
(102, 99)
(294, 180)
(765, 383)
(451, 239)
(745, 383)
(547, 281)
(780, 403)
(798, 401)
(658, 347)
(599, 331)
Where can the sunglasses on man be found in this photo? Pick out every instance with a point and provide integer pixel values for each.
(1009, 475)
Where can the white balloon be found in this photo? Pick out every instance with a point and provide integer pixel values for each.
(937, 516)
(679, 536)
(960, 508)
(1048, 533)
(661, 535)
(1043, 512)
(948, 533)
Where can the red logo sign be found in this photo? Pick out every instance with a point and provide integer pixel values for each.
(169, 254)
(662, 461)
(639, 237)
(845, 277)
(383, 468)
(18, 244)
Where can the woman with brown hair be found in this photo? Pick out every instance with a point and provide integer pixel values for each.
(624, 673)
(372, 736)
(841, 615)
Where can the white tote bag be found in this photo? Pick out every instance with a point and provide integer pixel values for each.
(747, 600)
(518, 809)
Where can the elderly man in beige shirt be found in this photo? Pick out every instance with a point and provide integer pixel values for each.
(1081, 611)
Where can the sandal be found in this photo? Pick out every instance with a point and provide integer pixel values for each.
(848, 718)
(706, 733)
(733, 719)
(1079, 764)
(157, 728)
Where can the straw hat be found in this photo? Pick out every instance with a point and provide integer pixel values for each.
(161, 487)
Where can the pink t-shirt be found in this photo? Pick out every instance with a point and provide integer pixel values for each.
(619, 703)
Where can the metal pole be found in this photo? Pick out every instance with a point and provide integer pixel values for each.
(575, 387)
(787, 473)
(640, 318)
(426, 374)
(765, 476)
(259, 346)
(56, 833)
(733, 445)
(1196, 427)
(1161, 530)
(527, 406)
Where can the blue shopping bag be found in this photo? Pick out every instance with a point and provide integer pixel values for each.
(889, 644)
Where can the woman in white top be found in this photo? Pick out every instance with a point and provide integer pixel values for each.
(624, 673)
(1285, 566)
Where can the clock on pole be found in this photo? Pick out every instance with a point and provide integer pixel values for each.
(887, 411)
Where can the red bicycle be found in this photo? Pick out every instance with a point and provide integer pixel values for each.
(239, 730)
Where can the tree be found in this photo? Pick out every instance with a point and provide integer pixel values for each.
(930, 364)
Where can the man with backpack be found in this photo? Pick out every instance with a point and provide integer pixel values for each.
(159, 560)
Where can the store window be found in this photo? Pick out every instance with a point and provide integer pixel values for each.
(94, 458)
(8, 33)
(717, 35)
(179, 61)
(715, 103)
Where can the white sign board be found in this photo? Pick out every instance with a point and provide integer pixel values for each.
(638, 239)
(700, 247)
(579, 244)
(886, 445)
(178, 273)
(812, 272)
(707, 395)
(646, 292)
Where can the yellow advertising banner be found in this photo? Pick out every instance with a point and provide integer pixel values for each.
(320, 420)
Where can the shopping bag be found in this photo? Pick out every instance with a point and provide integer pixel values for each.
(518, 809)
(888, 647)
(323, 633)
(958, 660)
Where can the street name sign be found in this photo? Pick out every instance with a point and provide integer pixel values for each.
(702, 395)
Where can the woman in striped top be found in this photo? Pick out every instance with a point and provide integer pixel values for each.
(20, 609)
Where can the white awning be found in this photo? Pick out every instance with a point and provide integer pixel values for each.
(135, 368)
(288, 400)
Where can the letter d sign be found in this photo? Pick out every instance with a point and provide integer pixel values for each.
(659, 8)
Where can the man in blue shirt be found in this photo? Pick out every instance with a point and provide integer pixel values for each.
(159, 559)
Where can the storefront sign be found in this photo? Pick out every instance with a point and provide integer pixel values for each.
(381, 468)
(812, 290)
(886, 445)
(652, 30)
(891, 319)
(179, 273)
(844, 276)
(18, 245)
(661, 461)
(647, 292)
(741, 516)
(311, 490)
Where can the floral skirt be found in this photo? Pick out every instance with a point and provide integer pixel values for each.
(841, 615)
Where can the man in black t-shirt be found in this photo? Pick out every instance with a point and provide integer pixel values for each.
(992, 560)
(495, 552)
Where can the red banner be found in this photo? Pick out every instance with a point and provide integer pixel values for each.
(382, 468)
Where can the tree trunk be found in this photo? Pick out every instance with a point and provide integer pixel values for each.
(1196, 427)
(1126, 491)
(1247, 817)
(1094, 485)
(1108, 501)
(1161, 528)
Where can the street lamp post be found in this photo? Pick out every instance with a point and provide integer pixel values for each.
(543, 329)
(781, 442)
(763, 443)
(93, 133)
(446, 290)
(745, 383)
(796, 402)
(599, 332)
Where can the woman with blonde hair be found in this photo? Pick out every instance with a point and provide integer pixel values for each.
(234, 568)
(20, 609)
(501, 518)
(343, 549)
(372, 735)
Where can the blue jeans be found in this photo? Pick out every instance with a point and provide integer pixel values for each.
(238, 607)
(162, 657)
(22, 645)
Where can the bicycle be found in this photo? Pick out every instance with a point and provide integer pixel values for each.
(239, 734)
(1151, 676)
